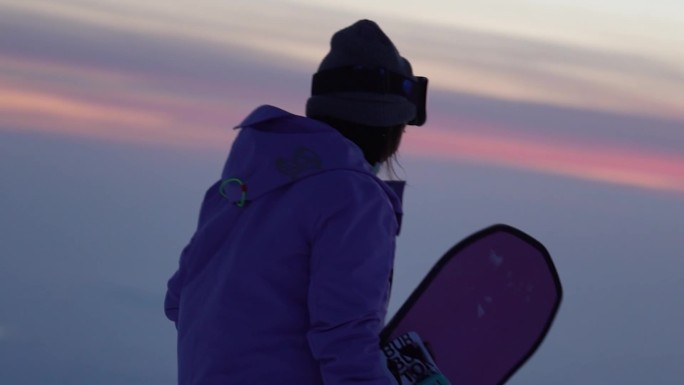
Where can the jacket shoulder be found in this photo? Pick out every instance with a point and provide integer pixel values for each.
(345, 193)
(344, 185)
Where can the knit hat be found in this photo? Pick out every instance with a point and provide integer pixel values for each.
(362, 46)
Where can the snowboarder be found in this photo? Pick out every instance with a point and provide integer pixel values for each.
(287, 277)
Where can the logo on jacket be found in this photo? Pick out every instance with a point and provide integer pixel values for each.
(302, 160)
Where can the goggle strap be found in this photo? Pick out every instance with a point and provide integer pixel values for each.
(362, 79)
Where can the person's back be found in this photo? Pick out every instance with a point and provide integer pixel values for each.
(287, 276)
(246, 311)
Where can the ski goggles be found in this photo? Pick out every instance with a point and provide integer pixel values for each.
(374, 80)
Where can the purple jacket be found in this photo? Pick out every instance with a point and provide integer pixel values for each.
(286, 279)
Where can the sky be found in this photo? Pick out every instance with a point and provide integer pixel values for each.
(564, 118)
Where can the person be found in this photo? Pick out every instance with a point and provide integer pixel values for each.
(287, 277)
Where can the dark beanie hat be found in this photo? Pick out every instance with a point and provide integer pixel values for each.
(363, 44)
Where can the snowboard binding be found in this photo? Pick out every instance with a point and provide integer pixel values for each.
(410, 362)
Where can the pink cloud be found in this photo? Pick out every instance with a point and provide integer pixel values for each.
(611, 164)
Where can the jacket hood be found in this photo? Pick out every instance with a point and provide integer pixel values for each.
(275, 148)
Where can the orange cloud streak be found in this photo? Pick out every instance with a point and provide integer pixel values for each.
(47, 112)
(110, 104)
(59, 107)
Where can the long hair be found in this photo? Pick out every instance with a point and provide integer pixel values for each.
(378, 144)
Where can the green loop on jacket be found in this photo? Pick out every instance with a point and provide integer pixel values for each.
(243, 190)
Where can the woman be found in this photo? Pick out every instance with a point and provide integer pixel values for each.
(287, 277)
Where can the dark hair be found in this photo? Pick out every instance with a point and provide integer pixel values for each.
(379, 144)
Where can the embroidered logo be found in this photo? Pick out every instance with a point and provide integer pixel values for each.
(302, 160)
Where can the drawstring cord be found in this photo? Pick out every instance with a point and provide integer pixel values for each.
(243, 190)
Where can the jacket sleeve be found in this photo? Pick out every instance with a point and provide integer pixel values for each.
(351, 261)
(175, 283)
(172, 299)
(173, 289)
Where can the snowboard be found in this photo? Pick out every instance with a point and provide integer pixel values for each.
(479, 314)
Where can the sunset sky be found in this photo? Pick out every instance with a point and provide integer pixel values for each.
(146, 71)
(553, 100)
